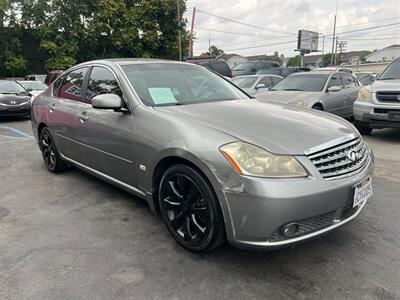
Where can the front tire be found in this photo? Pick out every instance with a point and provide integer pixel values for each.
(51, 157)
(190, 209)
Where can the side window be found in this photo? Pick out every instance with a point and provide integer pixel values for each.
(56, 86)
(258, 66)
(335, 81)
(275, 80)
(348, 81)
(266, 80)
(102, 81)
(72, 84)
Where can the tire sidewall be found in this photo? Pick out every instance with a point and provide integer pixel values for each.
(210, 198)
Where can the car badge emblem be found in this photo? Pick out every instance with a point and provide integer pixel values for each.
(398, 97)
(13, 102)
(352, 155)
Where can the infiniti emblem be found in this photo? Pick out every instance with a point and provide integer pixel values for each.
(398, 97)
(352, 155)
(13, 102)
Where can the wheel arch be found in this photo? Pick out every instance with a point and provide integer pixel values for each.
(318, 104)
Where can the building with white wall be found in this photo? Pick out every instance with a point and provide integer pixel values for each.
(384, 55)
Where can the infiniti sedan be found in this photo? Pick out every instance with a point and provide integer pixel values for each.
(333, 92)
(216, 164)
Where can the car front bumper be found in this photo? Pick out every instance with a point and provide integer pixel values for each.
(376, 115)
(258, 212)
(15, 110)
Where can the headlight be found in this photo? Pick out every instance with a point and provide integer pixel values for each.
(364, 94)
(298, 103)
(251, 160)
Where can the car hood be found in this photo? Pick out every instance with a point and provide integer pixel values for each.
(281, 129)
(287, 96)
(386, 85)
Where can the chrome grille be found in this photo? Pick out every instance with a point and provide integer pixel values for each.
(340, 157)
(388, 96)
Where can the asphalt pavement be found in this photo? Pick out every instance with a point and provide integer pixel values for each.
(72, 236)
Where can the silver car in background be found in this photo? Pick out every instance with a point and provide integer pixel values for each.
(378, 105)
(333, 92)
(255, 84)
(215, 163)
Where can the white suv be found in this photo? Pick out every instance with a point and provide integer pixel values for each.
(378, 105)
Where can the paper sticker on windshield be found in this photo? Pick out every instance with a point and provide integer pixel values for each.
(162, 95)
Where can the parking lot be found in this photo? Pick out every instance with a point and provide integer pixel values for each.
(72, 236)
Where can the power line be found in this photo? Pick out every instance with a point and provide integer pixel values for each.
(246, 24)
(245, 34)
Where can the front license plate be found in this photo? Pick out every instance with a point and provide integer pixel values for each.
(362, 191)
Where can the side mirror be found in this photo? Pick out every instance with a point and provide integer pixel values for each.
(107, 101)
(260, 86)
(334, 89)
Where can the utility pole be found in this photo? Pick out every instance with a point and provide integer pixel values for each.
(322, 55)
(334, 57)
(191, 33)
(334, 33)
(209, 45)
(179, 30)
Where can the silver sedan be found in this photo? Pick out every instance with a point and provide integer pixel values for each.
(255, 84)
(215, 163)
(333, 92)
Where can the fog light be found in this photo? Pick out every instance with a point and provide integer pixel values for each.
(290, 229)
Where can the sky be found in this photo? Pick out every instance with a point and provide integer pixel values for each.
(273, 25)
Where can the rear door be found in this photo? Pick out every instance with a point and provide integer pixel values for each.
(106, 137)
(62, 111)
(334, 102)
(350, 91)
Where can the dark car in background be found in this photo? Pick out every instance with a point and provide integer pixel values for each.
(213, 64)
(252, 67)
(366, 78)
(14, 99)
(283, 72)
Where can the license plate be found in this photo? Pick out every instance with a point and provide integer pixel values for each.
(362, 191)
(394, 116)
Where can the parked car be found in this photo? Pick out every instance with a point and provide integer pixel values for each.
(35, 77)
(366, 78)
(216, 163)
(34, 88)
(252, 67)
(254, 84)
(378, 105)
(218, 66)
(333, 92)
(14, 99)
(51, 76)
(283, 72)
(335, 69)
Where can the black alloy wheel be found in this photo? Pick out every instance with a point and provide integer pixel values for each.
(190, 209)
(51, 157)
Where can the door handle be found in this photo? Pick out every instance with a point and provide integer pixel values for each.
(83, 117)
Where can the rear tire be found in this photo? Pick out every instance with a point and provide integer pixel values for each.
(363, 128)
(190, 209)
(51, 157)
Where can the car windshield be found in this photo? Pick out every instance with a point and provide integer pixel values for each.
(10, 87)
(302, 82)
(243, 66)
(33, 85)
(392, 71)
(163, 84)
(244, 82)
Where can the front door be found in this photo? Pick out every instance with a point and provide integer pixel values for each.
(333, 102)
(106, 137)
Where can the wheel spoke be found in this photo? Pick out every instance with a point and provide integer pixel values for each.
(197, 225)
(177, 222)
(182, 184)
(174, 189)
(171, 203)
(186, 230)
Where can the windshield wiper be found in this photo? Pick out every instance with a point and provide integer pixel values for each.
(388, 78)
(293, 90)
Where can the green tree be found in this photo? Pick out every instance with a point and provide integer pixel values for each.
(294, 61)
